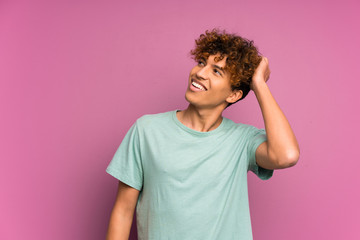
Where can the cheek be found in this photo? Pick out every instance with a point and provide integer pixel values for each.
(219, 94)
(223, 89)
(224, 93)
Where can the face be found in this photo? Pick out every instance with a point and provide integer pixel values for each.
(209, 84)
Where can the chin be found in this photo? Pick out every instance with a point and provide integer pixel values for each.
(187, 97)
(190, 98)
(193, 101)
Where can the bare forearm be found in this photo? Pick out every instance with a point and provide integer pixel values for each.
(283, 149)
(119, 225)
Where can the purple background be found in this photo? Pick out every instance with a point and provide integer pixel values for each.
(75, 75)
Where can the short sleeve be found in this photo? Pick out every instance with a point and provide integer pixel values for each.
(126, 164)
(256, 137)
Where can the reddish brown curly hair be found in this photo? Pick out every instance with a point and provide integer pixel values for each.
(242, 56)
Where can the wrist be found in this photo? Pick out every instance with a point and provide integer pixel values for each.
(258, 86)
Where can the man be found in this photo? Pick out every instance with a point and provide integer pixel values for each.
(185, 172)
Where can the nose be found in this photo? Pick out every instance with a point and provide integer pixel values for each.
(202, 73)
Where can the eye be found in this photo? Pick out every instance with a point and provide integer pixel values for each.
(201, 63)
(217, 72)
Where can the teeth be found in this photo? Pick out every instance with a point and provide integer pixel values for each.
(197, 85)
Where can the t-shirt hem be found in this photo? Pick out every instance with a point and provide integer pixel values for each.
(262, 173)
(123, 178)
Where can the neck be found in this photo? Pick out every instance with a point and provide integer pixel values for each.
(202, 120)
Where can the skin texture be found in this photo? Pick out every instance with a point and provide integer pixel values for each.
(204, 112)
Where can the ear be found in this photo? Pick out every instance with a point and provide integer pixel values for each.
(234, 96)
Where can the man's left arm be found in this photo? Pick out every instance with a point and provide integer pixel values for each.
(281, 150)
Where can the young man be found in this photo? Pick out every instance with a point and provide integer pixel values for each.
(185, 172)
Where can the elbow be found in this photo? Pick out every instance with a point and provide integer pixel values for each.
(292, 159)
(289, 159)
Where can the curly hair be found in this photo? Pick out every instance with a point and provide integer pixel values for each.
(242, 56)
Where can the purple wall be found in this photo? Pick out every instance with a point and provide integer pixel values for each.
(75, 76)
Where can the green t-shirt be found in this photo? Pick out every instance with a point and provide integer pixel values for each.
(193, 185)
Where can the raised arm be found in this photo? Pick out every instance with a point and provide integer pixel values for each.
(281, 150)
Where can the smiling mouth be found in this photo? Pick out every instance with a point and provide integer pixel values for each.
(198, 85)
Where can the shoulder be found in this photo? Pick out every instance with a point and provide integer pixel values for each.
(148, 120)
(245, 130)
(240, 126)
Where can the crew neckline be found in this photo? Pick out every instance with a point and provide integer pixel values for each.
(195, 132)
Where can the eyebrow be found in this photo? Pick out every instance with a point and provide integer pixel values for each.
(215, 66)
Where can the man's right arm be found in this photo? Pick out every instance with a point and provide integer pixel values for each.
(122, 213)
